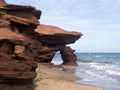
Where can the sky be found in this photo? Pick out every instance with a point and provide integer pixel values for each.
(97, 20)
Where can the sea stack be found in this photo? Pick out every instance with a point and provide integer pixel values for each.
(24, 43)
(55, 39)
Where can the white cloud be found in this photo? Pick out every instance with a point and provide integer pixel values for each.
(98, 20)
(98, 41)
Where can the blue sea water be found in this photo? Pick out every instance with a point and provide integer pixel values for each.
(98, 69)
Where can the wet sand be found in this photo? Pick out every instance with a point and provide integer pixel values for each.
(49, 78)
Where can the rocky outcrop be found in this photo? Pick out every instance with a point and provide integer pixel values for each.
(68, 56)
(14, 64)
(56, 36)
(15, 22)
(2, 3)
(55, 40)
(24, 42)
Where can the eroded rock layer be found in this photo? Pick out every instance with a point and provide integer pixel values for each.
(24, 42)
(56, 36)
(15, 22)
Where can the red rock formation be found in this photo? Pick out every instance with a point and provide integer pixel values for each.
(15, 22)
(68, 56)
(22, 43)
(56, 39)
(2, 3)
(56, 36)
(15, 65)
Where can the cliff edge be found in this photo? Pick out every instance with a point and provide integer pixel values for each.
(24, 43)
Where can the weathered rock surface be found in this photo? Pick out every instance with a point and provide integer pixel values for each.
(56, 36)
(68, 56)
(15, 22)
(14, 63)
(23, 42)
(2, 3)
(56, 39)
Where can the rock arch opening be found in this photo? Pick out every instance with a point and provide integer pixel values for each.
(65, 56)
(57, 59)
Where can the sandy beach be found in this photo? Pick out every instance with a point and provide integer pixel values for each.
(49, 78)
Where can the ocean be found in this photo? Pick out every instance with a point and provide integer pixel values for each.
(97, 69)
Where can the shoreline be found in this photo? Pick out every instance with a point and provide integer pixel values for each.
(53, 78)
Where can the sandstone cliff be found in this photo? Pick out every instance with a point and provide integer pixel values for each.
(24, 42)
(14, 20)
(56, 39)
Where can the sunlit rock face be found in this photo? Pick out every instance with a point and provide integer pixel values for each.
(56, 39)
(24, 42)
(56, 36)
(2, 3)
(16, 22)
